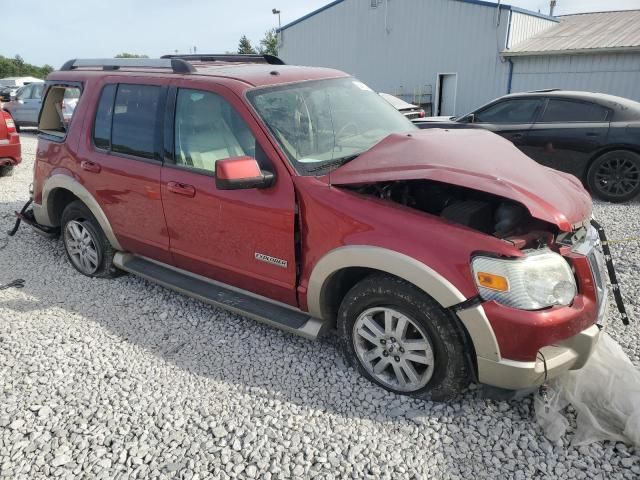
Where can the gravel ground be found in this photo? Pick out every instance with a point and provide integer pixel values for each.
(124, 379)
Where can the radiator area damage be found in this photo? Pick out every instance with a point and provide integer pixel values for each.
(481, 211)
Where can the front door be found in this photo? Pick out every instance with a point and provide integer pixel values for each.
(120, 163)
(243, 238)
(510, 118)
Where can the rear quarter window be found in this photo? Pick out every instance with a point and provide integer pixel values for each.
(58, 109)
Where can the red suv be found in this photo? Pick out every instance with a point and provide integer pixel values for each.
(299, 197)
(9, 145)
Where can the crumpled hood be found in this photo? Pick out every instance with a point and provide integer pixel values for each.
(475, 159)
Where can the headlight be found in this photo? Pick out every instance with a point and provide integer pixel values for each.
(540, 279)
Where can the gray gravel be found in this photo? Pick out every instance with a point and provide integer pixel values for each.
(124, 379)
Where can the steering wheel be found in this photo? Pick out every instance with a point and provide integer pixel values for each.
(345, 128)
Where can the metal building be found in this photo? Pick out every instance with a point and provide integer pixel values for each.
(597, 52)
(454, 55)
(444, 54)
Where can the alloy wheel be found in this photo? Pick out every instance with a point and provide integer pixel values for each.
(81, 247)
(617, 176)
(393, 348)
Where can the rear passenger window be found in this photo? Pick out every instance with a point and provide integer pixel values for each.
(58, 108)
(568, 111)
(135, 116)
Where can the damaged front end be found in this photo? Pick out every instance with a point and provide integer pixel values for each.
(481, 211)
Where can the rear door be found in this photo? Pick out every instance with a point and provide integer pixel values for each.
(120, 161)
(568, 133)
(512, 118)
(243, 238)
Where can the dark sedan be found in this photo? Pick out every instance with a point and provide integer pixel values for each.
(594, 136)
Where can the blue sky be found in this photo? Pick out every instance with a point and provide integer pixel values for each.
(43, 31)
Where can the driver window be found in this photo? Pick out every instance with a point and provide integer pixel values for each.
(208, 129)
(511, 111)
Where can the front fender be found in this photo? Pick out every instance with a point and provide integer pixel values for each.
(411, 270)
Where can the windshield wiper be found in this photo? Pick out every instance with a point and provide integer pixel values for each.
(338, 162)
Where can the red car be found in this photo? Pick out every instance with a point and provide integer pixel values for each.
(299, 197)
(9, 145)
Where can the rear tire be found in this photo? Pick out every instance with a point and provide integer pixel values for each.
(87, 247)
(401, 339)
(6, 170)
(615, 176)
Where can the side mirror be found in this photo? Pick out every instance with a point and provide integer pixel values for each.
(239, 173)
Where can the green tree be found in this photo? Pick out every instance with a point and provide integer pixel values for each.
(245, 46)
(17, 67)
(269, 44)
(130, 55)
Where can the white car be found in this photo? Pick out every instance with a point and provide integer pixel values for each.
(409, 110)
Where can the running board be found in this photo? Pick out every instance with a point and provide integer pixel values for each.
(245, 303)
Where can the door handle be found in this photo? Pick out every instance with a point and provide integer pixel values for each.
(90, 166)
(592, 134)
(517, 136)
(181, 189)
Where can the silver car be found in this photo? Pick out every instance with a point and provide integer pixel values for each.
(24, 108)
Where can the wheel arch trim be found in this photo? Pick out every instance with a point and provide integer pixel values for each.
(61, 181)
(410, 270)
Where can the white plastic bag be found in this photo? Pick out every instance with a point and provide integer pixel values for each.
(605, 394)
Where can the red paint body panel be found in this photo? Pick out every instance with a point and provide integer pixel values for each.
(218, 232)
(475, 159)
(127, 188)
(521, 333)
(10, 149)
(332, 217)
(237, 168)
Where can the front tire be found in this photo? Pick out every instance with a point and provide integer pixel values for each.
(401, 339)
(87, 247)
(615, 176)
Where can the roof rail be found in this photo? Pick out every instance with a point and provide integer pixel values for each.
(177, 65)
(228, 57)
(545, 90)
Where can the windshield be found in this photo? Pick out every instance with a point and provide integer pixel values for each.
(322, 124)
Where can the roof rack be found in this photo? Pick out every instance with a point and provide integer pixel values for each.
(228, 57)
(177, 65)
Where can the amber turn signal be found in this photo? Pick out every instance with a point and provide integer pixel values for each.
(492, 281)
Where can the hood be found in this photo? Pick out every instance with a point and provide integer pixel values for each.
(475, 159)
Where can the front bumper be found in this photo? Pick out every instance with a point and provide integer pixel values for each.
(571, 354)
(549, 352)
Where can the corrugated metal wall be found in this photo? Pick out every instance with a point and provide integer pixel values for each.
(402, 45)
(614, 73)
(524, 26)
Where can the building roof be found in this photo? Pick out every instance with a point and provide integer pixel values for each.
(483, 3)
(585, 33)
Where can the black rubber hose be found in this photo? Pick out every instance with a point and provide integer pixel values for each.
(13, 231)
